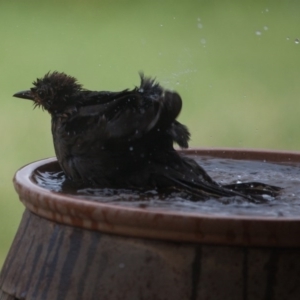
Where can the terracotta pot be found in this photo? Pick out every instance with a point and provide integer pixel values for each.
(70, 248)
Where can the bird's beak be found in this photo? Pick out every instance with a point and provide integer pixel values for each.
(24, 95)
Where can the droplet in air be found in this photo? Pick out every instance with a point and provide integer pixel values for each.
(130, 148)
(200, 26)
(266, 28)
(287, 38)
(203, 41)
(297, 41)
(121, 265)
(258, 32)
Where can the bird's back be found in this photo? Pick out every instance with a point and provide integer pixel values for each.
(106, 137)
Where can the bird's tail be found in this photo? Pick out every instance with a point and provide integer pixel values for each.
(186, 175)
(254, 189)
(254, 192)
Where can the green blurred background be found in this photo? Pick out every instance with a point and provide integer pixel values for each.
(235, 63)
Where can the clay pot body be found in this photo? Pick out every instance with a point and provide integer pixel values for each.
(70, 248)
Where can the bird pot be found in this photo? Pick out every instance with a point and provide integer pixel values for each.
(70, 247)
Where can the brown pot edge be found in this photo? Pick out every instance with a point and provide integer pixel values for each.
(170, 226)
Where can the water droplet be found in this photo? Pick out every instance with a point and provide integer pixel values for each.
(287, 38)
(266, 10)
(266, 27)
(267, 197)
(130, 148)
(203, 41)
(200, 26)
(198, 19)
(121, 266)
(297, 41)
(258, 32)
(161, 25)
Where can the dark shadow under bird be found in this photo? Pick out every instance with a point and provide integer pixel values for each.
(125, 139)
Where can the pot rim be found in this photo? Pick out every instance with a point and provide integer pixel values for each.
(167, 225)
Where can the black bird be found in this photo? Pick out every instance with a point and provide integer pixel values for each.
(125, 139)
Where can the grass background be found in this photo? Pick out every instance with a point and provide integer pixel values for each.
(235, 63)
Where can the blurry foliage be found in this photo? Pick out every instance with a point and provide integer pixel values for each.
(235, 63)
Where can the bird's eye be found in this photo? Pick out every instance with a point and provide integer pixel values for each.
(41, 94)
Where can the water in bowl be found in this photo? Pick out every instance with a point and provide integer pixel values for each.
(224, 171)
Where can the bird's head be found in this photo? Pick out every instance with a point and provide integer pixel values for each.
(54, 92)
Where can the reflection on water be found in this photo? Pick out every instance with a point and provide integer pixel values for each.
(224, 171)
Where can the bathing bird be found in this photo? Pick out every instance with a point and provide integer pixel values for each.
(126, 139)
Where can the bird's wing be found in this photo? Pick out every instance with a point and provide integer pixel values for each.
(126, 114)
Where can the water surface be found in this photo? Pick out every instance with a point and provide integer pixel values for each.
(286, 175)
